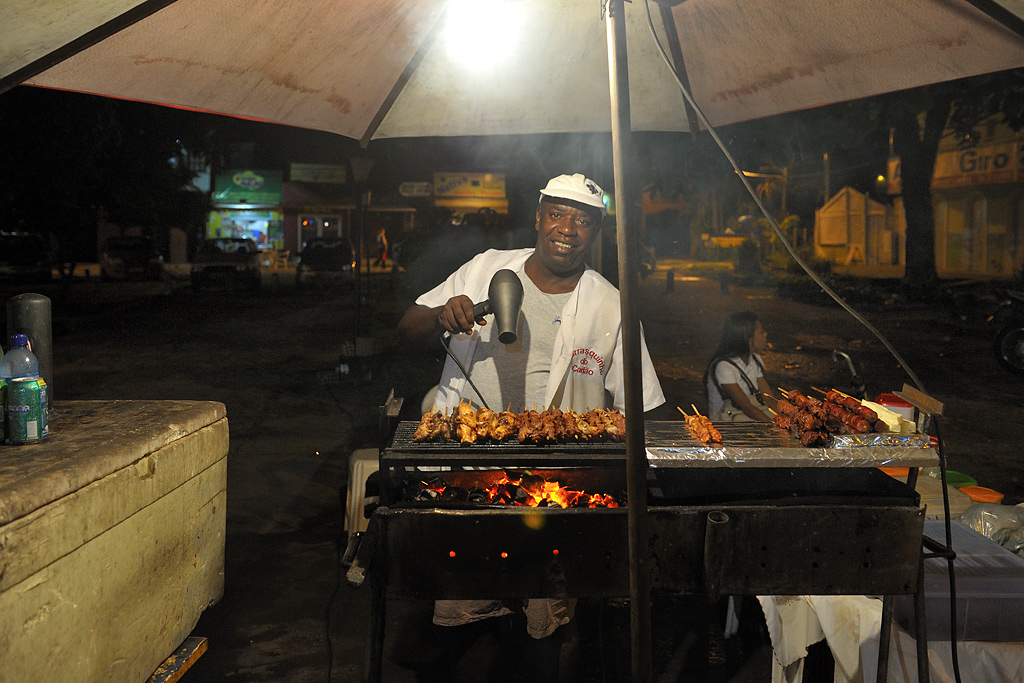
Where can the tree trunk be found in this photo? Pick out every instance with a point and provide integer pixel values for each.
(917, 147)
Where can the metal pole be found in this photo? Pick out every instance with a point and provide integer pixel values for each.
(636, 459)
(359, 261)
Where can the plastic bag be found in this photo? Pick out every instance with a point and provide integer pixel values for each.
(992, 519)
(1014, 541)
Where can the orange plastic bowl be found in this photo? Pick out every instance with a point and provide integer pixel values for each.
(981, 494)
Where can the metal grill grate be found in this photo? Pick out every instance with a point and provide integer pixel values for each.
(404, 442)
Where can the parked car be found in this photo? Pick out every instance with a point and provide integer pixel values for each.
(132, 256)
(326, 259)
(228, 262)
(25, 257)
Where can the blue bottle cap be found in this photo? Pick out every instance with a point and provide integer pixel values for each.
(19, 340)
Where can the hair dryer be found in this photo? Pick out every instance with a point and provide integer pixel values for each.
(505, 301)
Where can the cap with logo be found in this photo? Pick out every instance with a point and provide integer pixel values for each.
(576, 187)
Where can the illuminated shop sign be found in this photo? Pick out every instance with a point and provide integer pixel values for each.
(248, 187)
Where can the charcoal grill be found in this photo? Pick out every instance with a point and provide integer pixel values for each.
(758, 516)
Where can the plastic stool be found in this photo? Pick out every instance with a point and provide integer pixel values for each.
(361, 464)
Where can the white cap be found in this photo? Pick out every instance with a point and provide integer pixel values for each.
(576, 187)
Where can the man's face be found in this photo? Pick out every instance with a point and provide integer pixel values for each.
(565, 230)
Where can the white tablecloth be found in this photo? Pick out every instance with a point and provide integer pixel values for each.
(851, 623)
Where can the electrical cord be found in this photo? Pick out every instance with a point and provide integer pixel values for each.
(839, 300)
(445, 340)
(952, 556)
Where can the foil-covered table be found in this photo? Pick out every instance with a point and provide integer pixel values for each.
(762, 444)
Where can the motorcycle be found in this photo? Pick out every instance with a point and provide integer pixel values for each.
(1009, 342)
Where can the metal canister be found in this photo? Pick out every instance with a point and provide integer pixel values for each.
(26, 410)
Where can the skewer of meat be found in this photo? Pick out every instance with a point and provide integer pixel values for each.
(784, 422)
(428, 428)
(570, 426)
(713, 435)
(486, 423)
(700, 427)
(528, 426)
(614, 424)
(433, 426)
(786, 407)
(465, 423)
(857, 408)
(806, 421)
(595, 423)
(551, 425)
(813, 437)
(505, 426)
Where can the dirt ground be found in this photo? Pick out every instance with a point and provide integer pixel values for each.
(297, 410)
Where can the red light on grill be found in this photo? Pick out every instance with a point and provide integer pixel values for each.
(504, 555)
(451, 553)
(555, 551)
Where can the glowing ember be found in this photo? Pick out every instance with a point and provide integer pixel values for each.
(526, 490)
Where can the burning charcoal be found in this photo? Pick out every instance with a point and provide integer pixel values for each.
(410, 490)
(477, 496)
(453, 493)
(532, 482)
(520, 496)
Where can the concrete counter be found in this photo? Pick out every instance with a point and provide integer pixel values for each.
(111, 538)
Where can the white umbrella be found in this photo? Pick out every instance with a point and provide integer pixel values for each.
(386, 68)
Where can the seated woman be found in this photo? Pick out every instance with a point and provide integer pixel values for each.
(734, 379)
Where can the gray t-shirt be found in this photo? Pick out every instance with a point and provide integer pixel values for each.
(517, 374)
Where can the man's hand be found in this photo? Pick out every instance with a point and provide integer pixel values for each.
(456, 316)
(422, 325)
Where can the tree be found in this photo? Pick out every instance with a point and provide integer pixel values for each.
(70, 159)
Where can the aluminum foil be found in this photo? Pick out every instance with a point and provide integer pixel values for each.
(761, 444)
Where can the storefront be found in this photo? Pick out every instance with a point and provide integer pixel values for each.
(248, 203)
(978, 195)
(978, 200)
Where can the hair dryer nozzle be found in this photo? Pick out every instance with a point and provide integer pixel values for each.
(505, 296)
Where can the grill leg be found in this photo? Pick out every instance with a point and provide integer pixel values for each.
(373, 658)
(884, 634)
(923, 670)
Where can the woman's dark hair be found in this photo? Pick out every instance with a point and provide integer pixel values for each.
(736, 334)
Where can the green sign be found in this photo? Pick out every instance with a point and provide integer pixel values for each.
(248, 187)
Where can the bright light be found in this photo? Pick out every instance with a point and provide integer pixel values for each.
(481, 33)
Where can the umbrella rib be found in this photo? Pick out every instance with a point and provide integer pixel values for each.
(672, 36)
(999, 13)
(402, 80)
(83, 42)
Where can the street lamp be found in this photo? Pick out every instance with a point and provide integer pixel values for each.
(361, 167)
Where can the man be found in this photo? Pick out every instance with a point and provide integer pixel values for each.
(568, 352)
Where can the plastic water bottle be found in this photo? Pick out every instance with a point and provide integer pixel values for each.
(19, 361)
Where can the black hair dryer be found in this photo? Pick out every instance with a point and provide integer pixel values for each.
(504, 300)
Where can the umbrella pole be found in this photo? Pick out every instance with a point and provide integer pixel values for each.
(636, 459)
